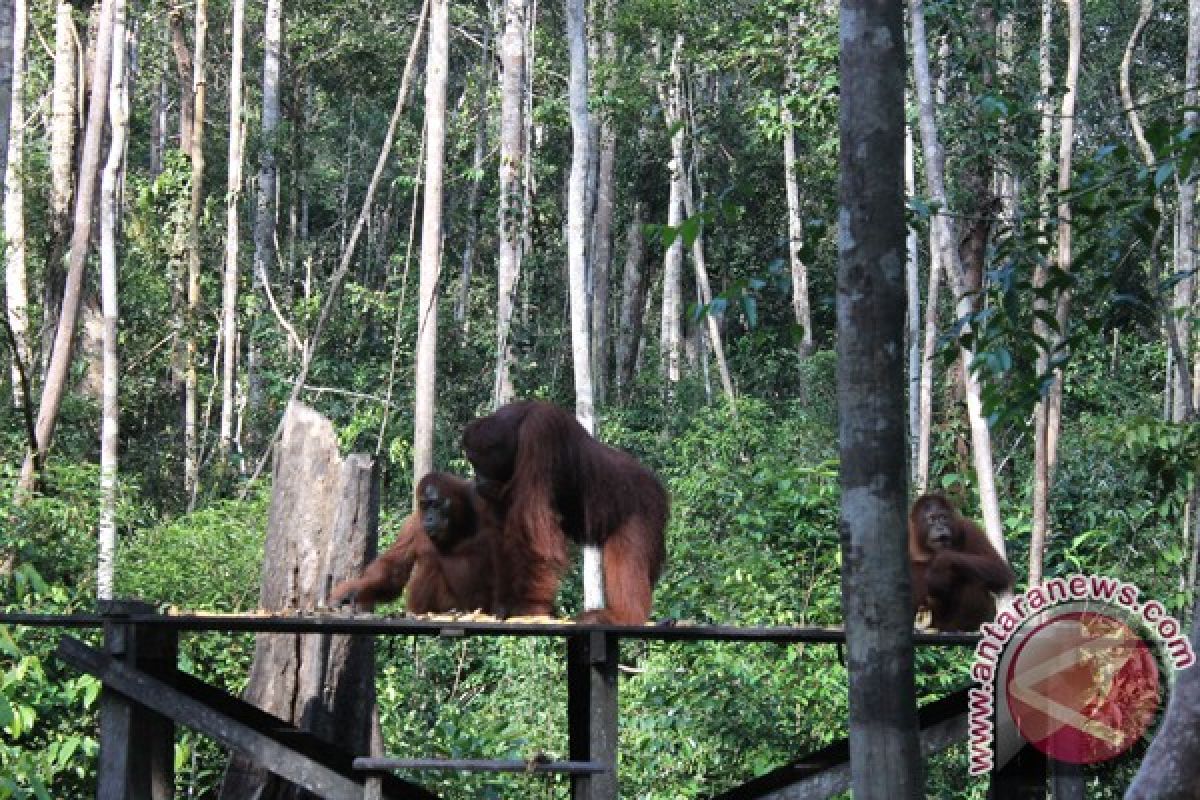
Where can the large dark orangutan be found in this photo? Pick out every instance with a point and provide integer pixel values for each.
(955, 569)
(443, 554)
(549, 480)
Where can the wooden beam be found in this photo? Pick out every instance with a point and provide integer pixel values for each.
(282, 759)
(592, 712)
(480, 765)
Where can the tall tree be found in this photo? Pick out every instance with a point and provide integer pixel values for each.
(118, 115)
(605, 135)
(16, 289)
(191, 439)
(800, 302)
(62, 164)
(436, 68)
(885, 756)
(633, 291)
(233, 194)
(1049, 410)
(6, 76)
(264, 208)
(512, 193)
(1186, 263)
(946, 238)
(483, 83)
(671, 338)
(60, 356)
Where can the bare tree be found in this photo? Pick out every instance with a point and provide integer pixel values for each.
(800, 302)
(229, 337)
(191, 441)
(946, 239)
(437, 66)
(1049, 410)
(118, 115)
(265, 208)
(512, 193)
(671, 338)
(885, 757)
(60, 355)
(62, 151)
(16, 289)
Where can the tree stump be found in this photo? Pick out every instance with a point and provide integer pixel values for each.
(323, 520)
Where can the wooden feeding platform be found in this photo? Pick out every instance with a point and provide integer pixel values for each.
(145, 695)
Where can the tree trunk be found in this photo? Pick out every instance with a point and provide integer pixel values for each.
(633, 298)
(801, 306)
(322, 526)
(184, 69)
(1125, 81)
(885, 756)
(512, 193)
(158, 127)
(437, 65)
(928, 358)
(15, 277)
(229, 334)
(947, 245)
(264, 209)
(62, 165)
(191, 441)
(577, 214)
(7, 13)
(118, 115)
(1171, 766)
(602, 224)
(1185, 289)
(482, 108)
(912, 284)
(671, 339)
(60, 355)
(712, 320)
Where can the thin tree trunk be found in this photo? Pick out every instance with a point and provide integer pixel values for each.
(885, 755)
(512, 192)
(60, 356)
(232, 200)
(484, 80)
(912, 283)
(801, 306)
(15, 277)
(929, 353)
(265, 209)
(948, 251)
(603, 222)
(577, 219)
(633, 298)
(62, 165)
(7, 13)
(158, 127)
(1185, 289)
(191, 442)
(118, 114)
(671, 339)
(711, 319)
(1125, 81)
(1041, 328)
(185, 70)
(437, 66)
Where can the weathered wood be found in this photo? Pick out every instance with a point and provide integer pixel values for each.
(481, 765)
(137, 754)
(1022, 778)
(592, 713)
(164, 699)
(323, 520)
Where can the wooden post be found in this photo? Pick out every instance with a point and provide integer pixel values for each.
(1022, 778)
(323, 521)
(137, 745)
(592, 712)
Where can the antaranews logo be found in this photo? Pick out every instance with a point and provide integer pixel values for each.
(1072, 667)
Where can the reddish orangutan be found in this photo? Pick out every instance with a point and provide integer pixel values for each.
(549, 480)
(443, 555)
(955, 569)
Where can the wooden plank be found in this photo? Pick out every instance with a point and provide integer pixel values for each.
(153, 693)
(346, 622)
(592, 712)
(480, 765)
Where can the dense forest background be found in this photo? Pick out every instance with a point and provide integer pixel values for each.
(212, 208)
